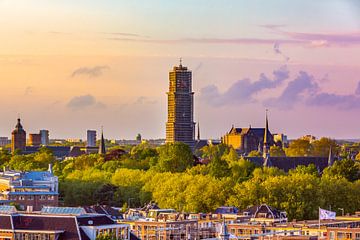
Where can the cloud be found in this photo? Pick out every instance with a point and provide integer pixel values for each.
(293, 93)
(125, 34)
(243, 91)
(144, 100)
(91, 72)
(85, 101)
(237, 41)
(357, 91)
(304, 89)
(278, 51)
(318, 39)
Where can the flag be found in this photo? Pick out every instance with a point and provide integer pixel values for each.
(326, 214)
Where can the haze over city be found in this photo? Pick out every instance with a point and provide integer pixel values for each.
(68, 66)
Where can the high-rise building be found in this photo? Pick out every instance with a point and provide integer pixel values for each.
(91, 138)
(180, 126)
(44, 137)
(4, 141)
(18, 137)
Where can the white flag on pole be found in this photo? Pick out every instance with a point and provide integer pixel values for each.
(326, 214)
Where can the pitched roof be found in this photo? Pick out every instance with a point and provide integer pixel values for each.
(287, 163)
(48, 223)
(85, 220)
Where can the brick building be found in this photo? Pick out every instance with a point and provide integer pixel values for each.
(30, 190)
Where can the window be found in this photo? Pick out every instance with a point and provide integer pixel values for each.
(31, 197)
(21, 197)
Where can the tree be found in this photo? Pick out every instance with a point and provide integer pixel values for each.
(346, 168)
(254, 153)
(299, 148)
(241, 170)
(277, 151)
(174, 157)
(321, 147)
(218, 167)
(301, 169)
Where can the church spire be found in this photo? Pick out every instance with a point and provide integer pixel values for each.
(102, 149)
(266, 137)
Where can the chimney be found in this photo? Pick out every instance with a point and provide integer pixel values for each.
(50, 170)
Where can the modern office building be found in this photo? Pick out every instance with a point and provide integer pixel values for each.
(18, 138)
(91, 138)
(4, 141)
(30, 190)
(44, 137)
(180, 126)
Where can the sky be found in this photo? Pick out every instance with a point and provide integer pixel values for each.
(68, 66)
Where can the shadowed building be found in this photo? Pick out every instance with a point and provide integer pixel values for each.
(44, 137)
(180, 126)
(18, 137)
(102, 149)
(34, 139)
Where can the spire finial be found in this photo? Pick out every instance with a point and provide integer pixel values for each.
(180, 62)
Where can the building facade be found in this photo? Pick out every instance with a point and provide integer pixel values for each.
(180, 126)
(4, 141)
(30, 190)
(91, 138)
(18, 138)
(44, 137)
(34, 139)
(56, 223)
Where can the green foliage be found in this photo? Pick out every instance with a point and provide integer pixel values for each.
(346, 168)
(321, 147)
(310, 169)
(299, 148)
(241, 170)
(277, 151)
(106, 237)
(37, 161)
(254, 153)
(174, 157)
(167, 176)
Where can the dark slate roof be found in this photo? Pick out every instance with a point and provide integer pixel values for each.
(226, 210)
(5, 222)
(200, 144)
(104, 209)
(75, 152)
(287, 163)
(133, 237)
(270, 211)
(96, 220)
(264, 208)
(256, 131)
(48, 223)
(58, 151)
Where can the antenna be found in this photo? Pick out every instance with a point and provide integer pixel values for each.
(180, 61)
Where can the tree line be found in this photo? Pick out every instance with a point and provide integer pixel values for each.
(173, 178)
